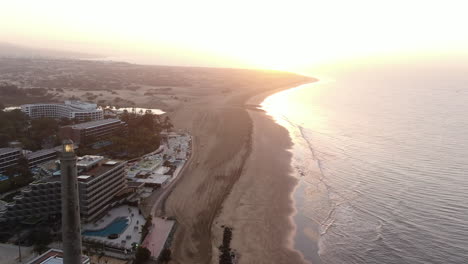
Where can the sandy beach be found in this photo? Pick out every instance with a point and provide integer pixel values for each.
(238, 177)
(259, 206)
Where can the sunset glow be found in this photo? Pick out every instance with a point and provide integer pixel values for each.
(264, 34)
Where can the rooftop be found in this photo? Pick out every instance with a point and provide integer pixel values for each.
(40, 153)
(153, 179)
(49, 179)
(8, 150)
(104, 165)
(135, 184)
(95, 123)
(72, 104)
(54, 256)
(88, 161)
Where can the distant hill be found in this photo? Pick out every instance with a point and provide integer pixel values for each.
(18, 51)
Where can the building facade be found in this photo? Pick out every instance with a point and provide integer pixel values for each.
(9, 157)
(90, 132)
(41, 199)
(99, 181)
(78, 110)
(55, 256)
(40, 156)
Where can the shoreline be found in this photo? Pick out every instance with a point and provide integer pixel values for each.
(242, 208)
(222, 133)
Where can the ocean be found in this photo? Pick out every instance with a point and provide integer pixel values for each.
(381, 152)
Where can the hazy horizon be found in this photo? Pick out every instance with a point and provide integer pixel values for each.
(260, 34)
(299, 131)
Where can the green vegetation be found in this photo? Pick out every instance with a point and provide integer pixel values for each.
(40, 238)
(13, 95)
(13, 126)
(18, 176)
(43, 131)
(165, 256)
(225, 248)
(142, 255)
(145, 229)
(16, 126)
(142, 135)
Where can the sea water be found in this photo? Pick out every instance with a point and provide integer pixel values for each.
(382, 157)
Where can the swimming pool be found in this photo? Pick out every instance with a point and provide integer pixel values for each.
(115, 227)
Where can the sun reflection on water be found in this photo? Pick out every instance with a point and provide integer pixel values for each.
(289, 107)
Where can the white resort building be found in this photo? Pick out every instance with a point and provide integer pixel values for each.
(70, 109)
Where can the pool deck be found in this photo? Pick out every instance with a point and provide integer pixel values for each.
(132, 234)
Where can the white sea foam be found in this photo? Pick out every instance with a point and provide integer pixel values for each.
(382, 164)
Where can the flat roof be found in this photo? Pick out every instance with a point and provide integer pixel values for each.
(49, 179)
(98, 170)
(133, 184)
(95, 123)
(8, 150)
(40, 153)
(155, 179)
(88, 160)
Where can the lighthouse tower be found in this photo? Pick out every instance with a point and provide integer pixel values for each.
(71, 230)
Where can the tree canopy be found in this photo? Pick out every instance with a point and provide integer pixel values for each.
(142, 135)
(142, 255)
(15, 125)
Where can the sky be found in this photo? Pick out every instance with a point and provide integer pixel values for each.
(287, 35)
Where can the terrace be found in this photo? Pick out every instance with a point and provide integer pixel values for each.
(127, 233)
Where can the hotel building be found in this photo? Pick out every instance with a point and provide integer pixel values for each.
(9, 157)
(99, 180)
(70, 109)
(40, 156)
(90, 132)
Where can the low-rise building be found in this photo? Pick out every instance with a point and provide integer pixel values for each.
(90, 132)
(70, 109)
(40, 156)
(9, 157)
(54, 256)
(99, 181)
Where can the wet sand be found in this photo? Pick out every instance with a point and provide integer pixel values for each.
(260, 206)
(238, 176)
